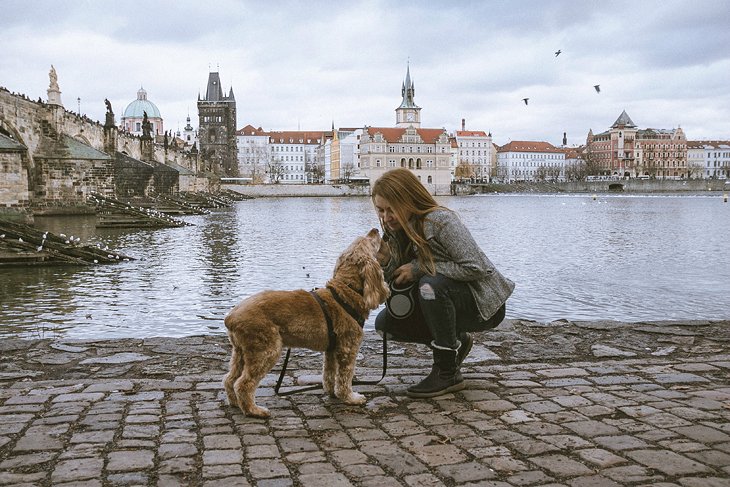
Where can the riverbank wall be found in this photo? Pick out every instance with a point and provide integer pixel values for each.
(613, 186)
(603, 186)
(298, 190)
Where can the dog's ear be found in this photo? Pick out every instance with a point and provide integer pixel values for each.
(375, 291)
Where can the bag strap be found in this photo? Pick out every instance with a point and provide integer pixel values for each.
(319, 386)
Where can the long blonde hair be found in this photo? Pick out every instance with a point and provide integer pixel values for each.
(408, 197)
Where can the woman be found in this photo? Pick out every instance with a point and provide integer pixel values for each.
(458, 289)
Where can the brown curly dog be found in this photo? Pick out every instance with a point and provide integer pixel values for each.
(261, 325)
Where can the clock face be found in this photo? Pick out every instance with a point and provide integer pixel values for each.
(409, 117)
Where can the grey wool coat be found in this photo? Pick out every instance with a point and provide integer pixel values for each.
(457, 256)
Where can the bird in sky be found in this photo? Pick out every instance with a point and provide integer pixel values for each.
(597, 88)
(557, 53)
(525, 100)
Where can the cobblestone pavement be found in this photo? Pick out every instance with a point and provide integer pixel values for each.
(572, 404)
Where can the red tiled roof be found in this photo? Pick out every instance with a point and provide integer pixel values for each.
(296, 137)
(699, 144)
(393, 135)
(470, 133)
(250, 130)
(528, 146)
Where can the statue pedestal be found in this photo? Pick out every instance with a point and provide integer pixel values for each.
(54, 97)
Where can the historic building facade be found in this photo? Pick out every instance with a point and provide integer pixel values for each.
(133, 117)
(627, 151)
(287, 157)
(217, 129)
(425, 151)
(520, 161)
(474, 154)
(708, 159)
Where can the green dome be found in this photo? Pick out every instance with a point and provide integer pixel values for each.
(137, 108)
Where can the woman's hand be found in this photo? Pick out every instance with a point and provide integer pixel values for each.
(404, 274)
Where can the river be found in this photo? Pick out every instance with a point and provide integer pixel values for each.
(615, 257)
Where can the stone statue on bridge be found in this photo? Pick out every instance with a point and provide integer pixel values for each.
(109, 122)
(146, 126)
(54, 79)
(54, 92)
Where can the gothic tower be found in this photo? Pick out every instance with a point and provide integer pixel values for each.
(217, 129)
(408, 113)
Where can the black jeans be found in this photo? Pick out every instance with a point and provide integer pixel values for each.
(445, 310)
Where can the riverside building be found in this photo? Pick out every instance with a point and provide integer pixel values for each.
(425, 151)
(627, 151)
(709, 159)
(474, 154)
(523, 161)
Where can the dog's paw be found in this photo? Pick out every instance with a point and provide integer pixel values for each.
(329, 388)
(258, 412)
(355, 398)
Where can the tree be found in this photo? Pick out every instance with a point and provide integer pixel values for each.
(464, 170)
(347, 170)
(541, 173)
(575, 171)
(276, 170)
(695, 171)
(591, 160)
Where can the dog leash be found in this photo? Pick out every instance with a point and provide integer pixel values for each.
(319, 386)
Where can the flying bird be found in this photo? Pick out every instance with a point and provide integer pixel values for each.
(525, 100)
(557, 53)
(597, 88)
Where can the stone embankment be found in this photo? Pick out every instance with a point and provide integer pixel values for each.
(565, 404)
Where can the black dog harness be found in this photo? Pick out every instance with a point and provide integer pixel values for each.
(331, 335)
(332, 341)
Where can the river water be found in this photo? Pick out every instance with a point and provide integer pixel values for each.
(617, 257)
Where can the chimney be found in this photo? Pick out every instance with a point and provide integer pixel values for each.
(463, 124)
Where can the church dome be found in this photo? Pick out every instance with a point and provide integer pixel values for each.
(137, 108)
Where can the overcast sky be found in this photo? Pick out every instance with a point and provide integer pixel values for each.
(306, 64)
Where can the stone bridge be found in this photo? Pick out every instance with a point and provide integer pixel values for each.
(53, 158)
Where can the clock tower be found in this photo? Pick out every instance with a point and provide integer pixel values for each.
(408, 114)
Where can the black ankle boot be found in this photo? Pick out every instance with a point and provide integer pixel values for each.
(444, 377)
(465, 348)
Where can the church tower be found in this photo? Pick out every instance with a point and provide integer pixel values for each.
(217, 129)
(408, 113)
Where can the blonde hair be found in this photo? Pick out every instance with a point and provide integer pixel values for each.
(408, 198)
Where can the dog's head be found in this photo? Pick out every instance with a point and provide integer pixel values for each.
(360, 261)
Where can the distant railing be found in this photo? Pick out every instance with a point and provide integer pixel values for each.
(236, 180)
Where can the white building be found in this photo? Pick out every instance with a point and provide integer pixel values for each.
(253, 153)
(285, 157)
(475, 152)
(709, 159)
(530, 161)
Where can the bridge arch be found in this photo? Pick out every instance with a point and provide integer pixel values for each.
(26, 158)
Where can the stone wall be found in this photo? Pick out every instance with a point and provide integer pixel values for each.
(626, 185)
(264, 190)
(133, 178)
(13, 180)
(65, 182)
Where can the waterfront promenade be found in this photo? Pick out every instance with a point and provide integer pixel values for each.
(578, 404)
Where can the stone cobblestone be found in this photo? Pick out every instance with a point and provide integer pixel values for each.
(79, 414)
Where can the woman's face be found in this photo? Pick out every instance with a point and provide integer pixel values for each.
(386, 213)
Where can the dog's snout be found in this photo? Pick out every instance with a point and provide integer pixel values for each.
(373, 232)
